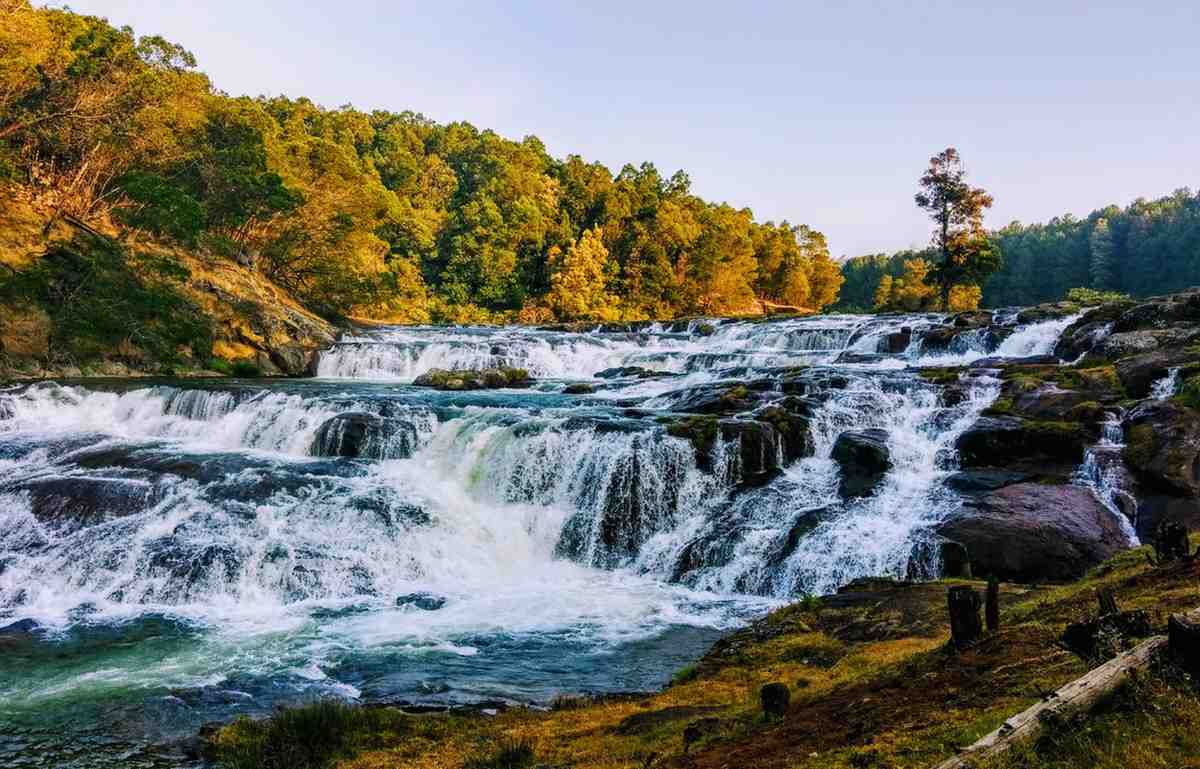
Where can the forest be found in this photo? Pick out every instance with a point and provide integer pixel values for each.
(1147, 248)
(382, 215)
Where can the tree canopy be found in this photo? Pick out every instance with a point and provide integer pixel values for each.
(385, 214)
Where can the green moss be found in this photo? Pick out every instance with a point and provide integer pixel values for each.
(940, 376)
(701, 432)
(1000, 407)
(1088, 411)
(1140, 445)
(219, 365)
(737, 393)
(1189, 393)
(1096, 379)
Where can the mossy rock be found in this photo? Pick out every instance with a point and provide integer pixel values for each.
(481, 379)
(701, 432)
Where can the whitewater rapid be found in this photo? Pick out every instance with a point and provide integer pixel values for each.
(535, 523)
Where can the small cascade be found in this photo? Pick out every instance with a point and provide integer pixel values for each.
(1167, 386)
(1104, 472)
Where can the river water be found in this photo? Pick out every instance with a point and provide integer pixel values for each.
(174, 553)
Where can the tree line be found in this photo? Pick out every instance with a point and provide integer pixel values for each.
(384, 214)
(1148, 247)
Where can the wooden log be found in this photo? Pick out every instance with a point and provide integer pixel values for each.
(1183, 632)
(991, 610)
(965, 627)
(1079, 695)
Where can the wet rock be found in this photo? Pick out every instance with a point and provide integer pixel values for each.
(631, 371)
(1048, 402)
(956, 562)
(974, 481)
(1154, 509)
(864, 458)
(757, 453)
(1023, 445)
(718, 397)
(482, 379)
(791, 422)
(579, 388)
(367, 436)
(896, 342)
(1162, 446)
(292, 360)
(68, 503)
(422, 601)
(1044, 312)
(1031, 532)
(972, 319)
(1138, 373)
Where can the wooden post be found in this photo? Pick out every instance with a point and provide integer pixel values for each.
(1108, 602)
(1171, 543)
(991, 610)
(1183, 634)
(965, 627)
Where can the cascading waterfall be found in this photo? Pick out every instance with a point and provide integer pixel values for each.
(358, 536)
(1104, 472)
(1167, 386)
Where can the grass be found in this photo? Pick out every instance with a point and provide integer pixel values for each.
(873, 684)
(311, 736)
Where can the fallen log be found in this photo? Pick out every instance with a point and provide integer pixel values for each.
(1079, 695)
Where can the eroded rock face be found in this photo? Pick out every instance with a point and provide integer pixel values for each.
(1030, 532)
(1162, 445)
(864, 458)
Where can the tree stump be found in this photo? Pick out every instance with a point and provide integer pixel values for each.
(1108, 602)
(1171, 543)
(991, 611)
(1183, 637)
(775, 699)
(965, 627)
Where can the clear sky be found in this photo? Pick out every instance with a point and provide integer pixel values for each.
(822, 114)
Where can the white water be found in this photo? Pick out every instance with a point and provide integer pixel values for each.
(571, 522)
(1103, 471)
(1167, 386)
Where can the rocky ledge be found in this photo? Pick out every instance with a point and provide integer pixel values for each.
(474, 379)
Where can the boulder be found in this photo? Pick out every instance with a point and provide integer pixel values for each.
(1031, 532)
(896, 342)
(579, 388)
(292, 360)
(974, 481)
(1138, 373)
(67, 503)
(864, 458)
(422, 601)
(1162, 446)
(972, 319)
(790, 419)
(367, 436)
(758, 450)
(1022, 445)
(631, 371)
(474, 379)
(718, 397)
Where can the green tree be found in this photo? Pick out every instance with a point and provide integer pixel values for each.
(967, 255)
(579, 280)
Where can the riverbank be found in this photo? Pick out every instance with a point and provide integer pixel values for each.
(873, 682)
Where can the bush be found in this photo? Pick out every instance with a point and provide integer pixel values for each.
(1089, 297)
(102, 298)
(245, 370)
(513, 754)
(219, 365)
(309, 737)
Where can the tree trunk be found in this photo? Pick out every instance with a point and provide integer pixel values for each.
(1183, 631)
(992, 608)
(1079, 695)
(965, 627)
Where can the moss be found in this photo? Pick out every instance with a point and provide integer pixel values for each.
(1088, 411)
(940, 376)
(1097, 379)
(700, 431)
(1189, 393)
(736, 393)
(1141, 445)
(1000, 407)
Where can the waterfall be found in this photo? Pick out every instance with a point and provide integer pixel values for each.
(1104, 472)
(296, 538)
(1167, 386)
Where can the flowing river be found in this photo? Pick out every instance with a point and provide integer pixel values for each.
(174, 553)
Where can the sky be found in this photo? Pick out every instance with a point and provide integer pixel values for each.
(819, 113)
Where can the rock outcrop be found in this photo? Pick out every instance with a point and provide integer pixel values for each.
(864, 458)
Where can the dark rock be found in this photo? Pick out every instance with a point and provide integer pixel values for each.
(996, 361)
(1048, 402)
(1021, 445)
(717, 398)
(896, 342)
(851, 357)
(972, 319)
(631, 371)
(974, 481)
(292, 359)
(367, 436)
(864, 458)
(938, 338)
(1044, 312)
(1031, 532)
(68, 503)
(1159, 508)
(955, 561)
(423, 601)
(1162, 446)
(792, 426)
(579, 388)
(758, 452)
(775, 698)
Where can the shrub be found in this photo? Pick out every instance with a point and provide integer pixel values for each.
(308, 737)
(101, 298)
(245, 369)
(509, 754)
(219, 365)
(1089, 297)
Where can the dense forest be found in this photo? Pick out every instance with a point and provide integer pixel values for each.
(1150, 247)
(388, 215)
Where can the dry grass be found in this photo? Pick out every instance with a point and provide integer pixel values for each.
(873, 686)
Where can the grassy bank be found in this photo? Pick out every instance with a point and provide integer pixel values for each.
(872, 683)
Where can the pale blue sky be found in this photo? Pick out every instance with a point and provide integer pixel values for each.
(822, 114)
